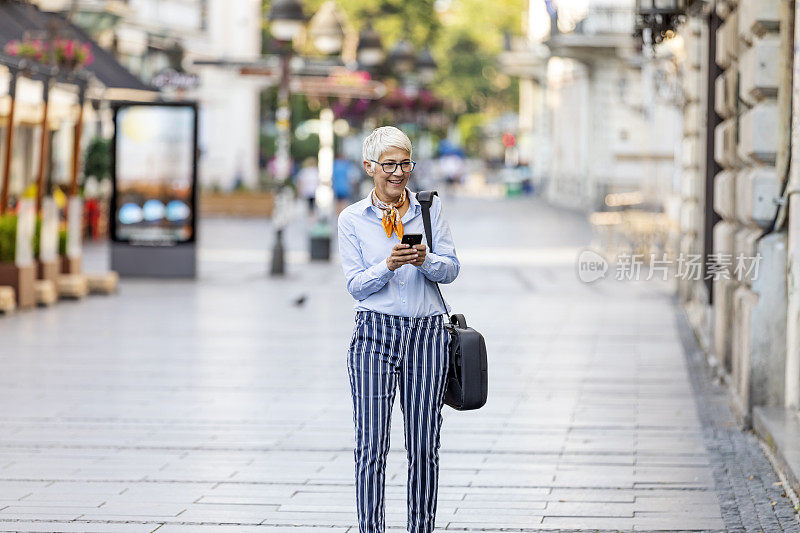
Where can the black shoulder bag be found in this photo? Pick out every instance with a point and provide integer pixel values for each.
(467, 381)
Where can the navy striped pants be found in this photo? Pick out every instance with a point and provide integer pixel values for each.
(388, 352)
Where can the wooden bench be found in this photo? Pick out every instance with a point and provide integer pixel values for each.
(8, 300)
(46, 293)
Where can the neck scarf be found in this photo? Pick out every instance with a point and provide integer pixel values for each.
(391, 216)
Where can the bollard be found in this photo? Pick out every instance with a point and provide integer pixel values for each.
(278, 261)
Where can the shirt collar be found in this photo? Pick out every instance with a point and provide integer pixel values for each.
(412, 199)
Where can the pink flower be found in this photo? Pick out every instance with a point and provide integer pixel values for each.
(69, 49)
(12, 48)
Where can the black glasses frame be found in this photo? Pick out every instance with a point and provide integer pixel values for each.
(394, 166)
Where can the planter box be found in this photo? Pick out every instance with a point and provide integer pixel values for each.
(70, 265)
(22, 280)
(239, 204)
(48, 270)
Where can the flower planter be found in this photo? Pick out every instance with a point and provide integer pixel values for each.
(48, 270)
(238, 204)
(22, 279)
(70, 265)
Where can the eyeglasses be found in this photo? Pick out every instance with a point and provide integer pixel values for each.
(390, 168)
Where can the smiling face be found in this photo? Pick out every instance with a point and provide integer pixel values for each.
(389, 187)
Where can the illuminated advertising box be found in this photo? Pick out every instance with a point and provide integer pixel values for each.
(154, 195)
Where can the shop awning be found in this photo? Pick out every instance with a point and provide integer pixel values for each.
(17, 18)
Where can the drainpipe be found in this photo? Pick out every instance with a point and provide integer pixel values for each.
(791, 16)
(712, 168)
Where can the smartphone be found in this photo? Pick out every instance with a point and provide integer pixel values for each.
(412, 239)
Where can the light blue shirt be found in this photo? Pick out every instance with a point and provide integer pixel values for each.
(406, 291)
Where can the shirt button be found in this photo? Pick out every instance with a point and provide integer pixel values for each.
(402, 283)
(404, 301)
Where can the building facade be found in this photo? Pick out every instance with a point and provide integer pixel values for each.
(727, 168)
(738, 211)
(161, 41)
(598, 116)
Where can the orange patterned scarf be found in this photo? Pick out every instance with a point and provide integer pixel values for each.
(391, 216)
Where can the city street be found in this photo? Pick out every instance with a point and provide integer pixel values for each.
(223, 404)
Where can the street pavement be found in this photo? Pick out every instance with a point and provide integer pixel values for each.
(223, 404)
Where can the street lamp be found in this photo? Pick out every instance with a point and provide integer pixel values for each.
(370, 51)
(657, 20)
(286, 19)
(426, 66)
(402, 57)
(327, 32)
(286, 22)
(325, 29)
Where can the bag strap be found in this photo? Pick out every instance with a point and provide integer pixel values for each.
(425, 199)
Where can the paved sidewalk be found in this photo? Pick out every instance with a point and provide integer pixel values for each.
(222, 405)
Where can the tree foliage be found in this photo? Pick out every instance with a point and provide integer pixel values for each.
(465, 37)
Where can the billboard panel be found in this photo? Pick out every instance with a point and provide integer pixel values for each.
(155, 174)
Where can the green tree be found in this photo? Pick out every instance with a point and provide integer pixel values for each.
(98, 158)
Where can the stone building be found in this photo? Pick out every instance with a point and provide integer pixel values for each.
(738, 171)
(727, 168)
(590, 106)
(163, 40)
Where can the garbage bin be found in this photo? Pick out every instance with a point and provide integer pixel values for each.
(321, 241)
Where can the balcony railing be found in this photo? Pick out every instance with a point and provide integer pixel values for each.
(607, 20)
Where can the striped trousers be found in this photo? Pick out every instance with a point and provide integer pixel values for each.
(410, 354)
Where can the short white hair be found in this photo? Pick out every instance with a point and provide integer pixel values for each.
(381, 139)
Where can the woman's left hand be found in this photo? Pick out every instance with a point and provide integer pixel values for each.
(422, 250)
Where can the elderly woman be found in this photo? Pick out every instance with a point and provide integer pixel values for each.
(399, 340)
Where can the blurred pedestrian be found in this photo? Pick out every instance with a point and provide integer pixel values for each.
(307, 182)
(452, 167)
(343, 179)
(399, 339)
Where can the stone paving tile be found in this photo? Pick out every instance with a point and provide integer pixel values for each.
(20, 526)
(48, 512)
(689, 523)
(177, 528)
(580, 509)
(211, 416)
(533, 523)
(615, 523)
(592, 495)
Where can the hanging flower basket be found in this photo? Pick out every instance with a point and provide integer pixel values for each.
(68, 54)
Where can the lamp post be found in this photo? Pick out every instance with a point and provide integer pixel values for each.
(327, 32)
(657, 20)
(402, 57)
(286, 22)
(369, 52)
(426, 66)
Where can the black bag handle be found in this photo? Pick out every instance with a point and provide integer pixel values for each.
(425, 199)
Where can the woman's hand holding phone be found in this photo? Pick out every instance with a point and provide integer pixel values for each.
(402, 254)
(421, 253)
